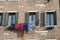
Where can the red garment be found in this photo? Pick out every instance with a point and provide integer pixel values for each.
(18, 26)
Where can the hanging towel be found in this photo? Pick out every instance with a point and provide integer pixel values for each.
(24, 26)
(16, 26)
(20, 26)
(30, 26)
(12, 26)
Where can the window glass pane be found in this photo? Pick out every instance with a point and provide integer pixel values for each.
(52, 19)
(13, 19)
(30, 19)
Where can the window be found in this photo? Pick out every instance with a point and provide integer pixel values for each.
(32, 17)
(50, 18)
(12, 0)
(1, 18)
(11, 18)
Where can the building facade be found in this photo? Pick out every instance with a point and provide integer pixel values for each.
(43, 14)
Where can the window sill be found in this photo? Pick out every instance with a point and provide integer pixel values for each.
(2, 0)
(50, 26)
(12, 1)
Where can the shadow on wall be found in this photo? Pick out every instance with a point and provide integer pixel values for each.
(20, 33)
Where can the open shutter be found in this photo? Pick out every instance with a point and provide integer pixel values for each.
(6, 19)
(55, 18)
(1, 18)
(17, 17)
(27, 17)
(37, 19)
(45, 19)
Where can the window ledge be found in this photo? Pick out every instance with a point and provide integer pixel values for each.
(50, 26)
(13, 0)
(2, 0)
(50, 39)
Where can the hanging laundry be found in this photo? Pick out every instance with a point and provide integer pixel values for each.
(30, 26)
(20, 26)
(16, 26)
(31, 23)
(25, 26)
(12, 26)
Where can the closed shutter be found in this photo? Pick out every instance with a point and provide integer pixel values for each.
(37, 19)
